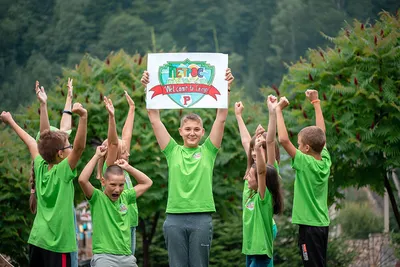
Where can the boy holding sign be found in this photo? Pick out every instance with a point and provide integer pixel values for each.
(188, 226)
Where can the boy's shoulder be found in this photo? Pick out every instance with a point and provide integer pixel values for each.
(304, 161)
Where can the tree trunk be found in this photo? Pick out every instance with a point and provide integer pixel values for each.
(392, 200)
(147, 238)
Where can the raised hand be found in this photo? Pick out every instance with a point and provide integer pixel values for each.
(239, 108)
(272, 102)
(70, 88)
(283, 103)
(229, 77)
(109, 106)
(130, 101)
(259, 130)
(41, 94)
(122, 163)
(259, 141)
(312, 94)
(145, 78)
(77, 108)
(6, 117)
(101, 151)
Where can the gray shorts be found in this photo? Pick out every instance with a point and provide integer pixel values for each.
(188, 238)
(110, 260)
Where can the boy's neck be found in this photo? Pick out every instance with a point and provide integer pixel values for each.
(314, 154)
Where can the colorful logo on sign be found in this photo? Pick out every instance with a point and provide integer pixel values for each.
(186, 82)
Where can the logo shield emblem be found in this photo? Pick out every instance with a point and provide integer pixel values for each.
(186, 82)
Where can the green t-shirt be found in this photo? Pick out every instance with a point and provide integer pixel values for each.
(310, 204)
(133, 212)
(247, 192)
(190, 172)
(257, 225)
(111, 222)
(53, 228)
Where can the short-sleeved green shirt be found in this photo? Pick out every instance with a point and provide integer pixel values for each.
(190, 172)
(133, 212)
(257, 225)
(310, 204)
(246, 197)
(111, 222)
(53, 228)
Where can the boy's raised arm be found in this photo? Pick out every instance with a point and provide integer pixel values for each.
(272, 102)
(312, 95)
(144, 182)
(217, 130)
(66, 118)
(161, 133)
(244, 133)
(128, 126)
(80, 138)
(282, 132)
(44, 117)
(29, 141)
(112, 137)
(83, 179)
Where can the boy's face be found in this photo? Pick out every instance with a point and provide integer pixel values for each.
(191, 132)
(65, 151)
(302, 147)
(113, 186)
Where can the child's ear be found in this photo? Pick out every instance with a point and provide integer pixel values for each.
(307, 147)
(60, 154)
(103, 181)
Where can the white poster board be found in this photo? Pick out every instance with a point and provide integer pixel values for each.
(187, 80)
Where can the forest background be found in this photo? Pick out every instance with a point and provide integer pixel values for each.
(48, 41)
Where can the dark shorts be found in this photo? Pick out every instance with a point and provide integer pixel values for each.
(39, 257)
(313, 244)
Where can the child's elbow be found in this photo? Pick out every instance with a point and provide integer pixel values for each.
(283, 140)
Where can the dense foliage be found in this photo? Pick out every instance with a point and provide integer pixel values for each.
(358, 80)
(38, 38)
(358, 83)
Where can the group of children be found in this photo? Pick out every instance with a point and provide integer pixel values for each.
(188, 226)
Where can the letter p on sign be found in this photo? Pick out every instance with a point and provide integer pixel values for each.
(186, 100)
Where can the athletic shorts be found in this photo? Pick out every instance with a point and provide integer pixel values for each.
(39, 257)
(313, 245)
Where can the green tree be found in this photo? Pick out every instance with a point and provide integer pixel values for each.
(358, 83)
(124, 31)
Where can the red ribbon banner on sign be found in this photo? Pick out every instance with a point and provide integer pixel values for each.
(185, 88)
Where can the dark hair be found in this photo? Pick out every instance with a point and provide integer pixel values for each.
(113, 169)
(314, 137)
(50, 143)
(32, 197)
(192, 117)
(274, 187)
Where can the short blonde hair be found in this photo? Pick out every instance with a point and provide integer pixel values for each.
(192, 117)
